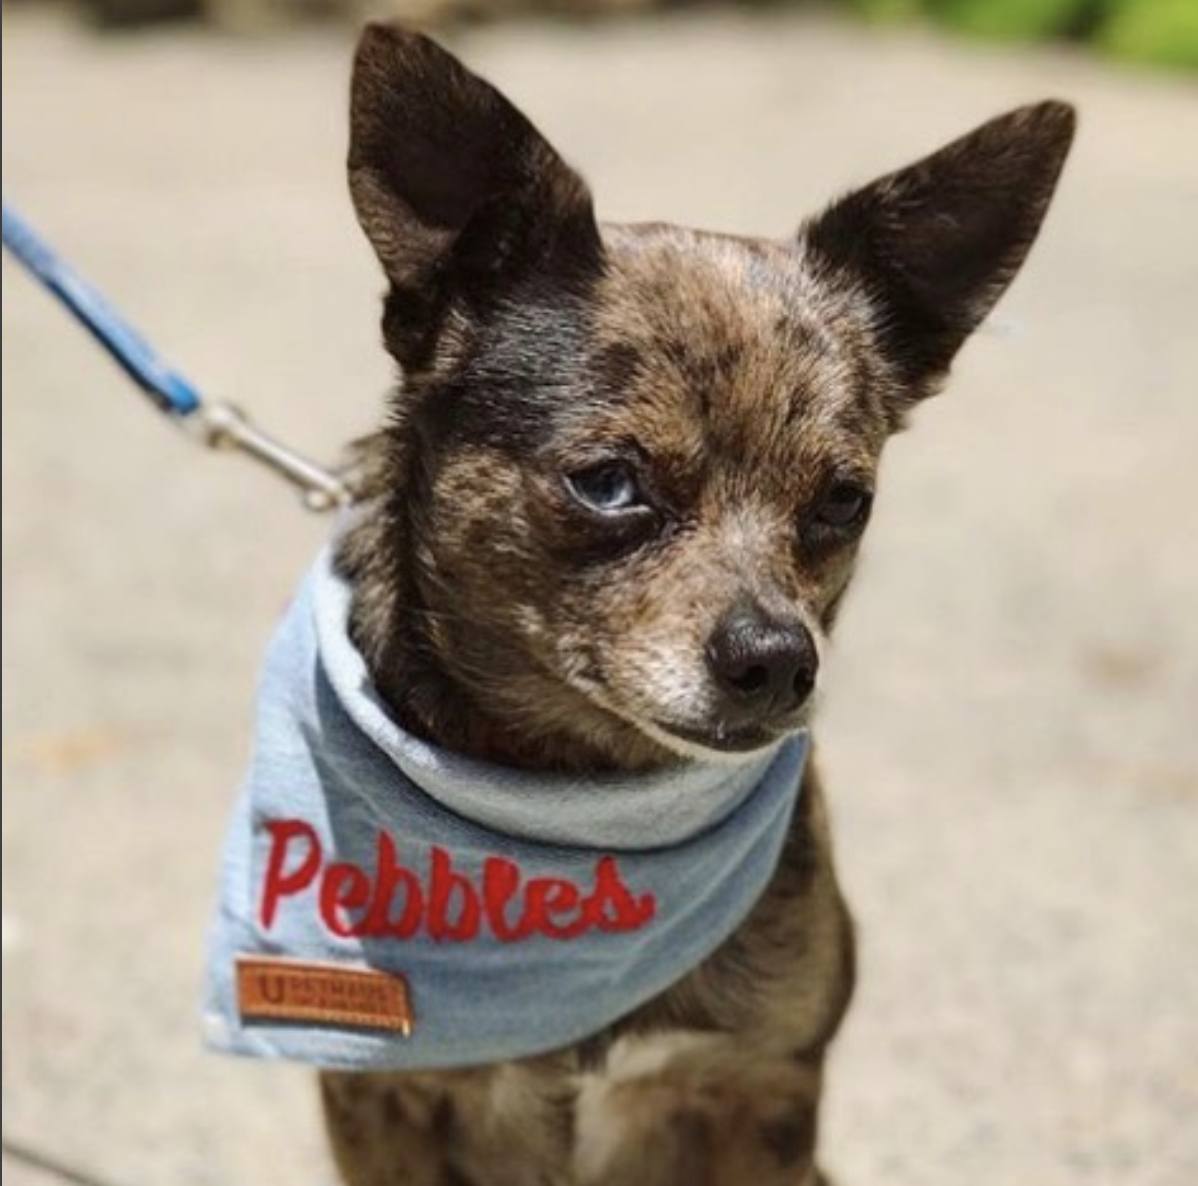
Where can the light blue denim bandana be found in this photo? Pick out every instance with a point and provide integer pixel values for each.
(386, 904)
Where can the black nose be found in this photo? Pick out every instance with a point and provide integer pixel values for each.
(762, 663)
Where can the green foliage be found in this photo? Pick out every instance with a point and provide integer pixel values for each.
(1161, 32)
(1012, 19)
(1164, 32)
(889, 10)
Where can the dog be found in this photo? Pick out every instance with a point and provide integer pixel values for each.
(608, 526)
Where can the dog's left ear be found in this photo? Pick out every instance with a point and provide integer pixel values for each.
(936, 244)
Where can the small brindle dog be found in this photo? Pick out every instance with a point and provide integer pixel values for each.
(608, 526)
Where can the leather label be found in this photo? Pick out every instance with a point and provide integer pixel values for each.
(276, 989)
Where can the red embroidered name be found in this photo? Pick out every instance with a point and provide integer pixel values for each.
(395, 902)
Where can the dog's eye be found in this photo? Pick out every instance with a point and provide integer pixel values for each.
(608, 487)
(844, 506)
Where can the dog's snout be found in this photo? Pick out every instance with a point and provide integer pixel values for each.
(762, 663)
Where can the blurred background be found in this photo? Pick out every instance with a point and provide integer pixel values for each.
(1010, 734)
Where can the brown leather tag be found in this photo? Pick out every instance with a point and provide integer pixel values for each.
(276, 989)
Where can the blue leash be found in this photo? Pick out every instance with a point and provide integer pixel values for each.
(222, 424)
(166, 387)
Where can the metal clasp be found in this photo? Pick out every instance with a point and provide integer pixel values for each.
(225, 426)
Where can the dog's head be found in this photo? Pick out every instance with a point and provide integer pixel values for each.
(633, 464)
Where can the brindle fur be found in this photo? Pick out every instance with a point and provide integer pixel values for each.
(741, 377)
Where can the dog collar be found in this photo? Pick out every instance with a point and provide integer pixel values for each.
(387, 904)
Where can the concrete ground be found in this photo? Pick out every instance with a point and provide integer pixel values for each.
(1011, 736)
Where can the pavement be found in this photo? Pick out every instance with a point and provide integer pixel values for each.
(1010, 734)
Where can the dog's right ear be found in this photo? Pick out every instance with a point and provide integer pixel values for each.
(458, 193)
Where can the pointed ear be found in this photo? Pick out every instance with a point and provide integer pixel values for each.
(457, 192)
(936, 244)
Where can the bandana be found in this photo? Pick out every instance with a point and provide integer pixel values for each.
(387, 904)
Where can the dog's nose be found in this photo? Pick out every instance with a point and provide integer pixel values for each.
(762, 663)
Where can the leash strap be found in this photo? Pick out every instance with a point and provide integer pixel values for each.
(220, 425)
(167, 388)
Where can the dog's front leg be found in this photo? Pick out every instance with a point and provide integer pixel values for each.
(684, 1109)
(502, 1125)
(386, 1130)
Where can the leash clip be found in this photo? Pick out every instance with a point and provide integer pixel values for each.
(222, 425)
(217, 425)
